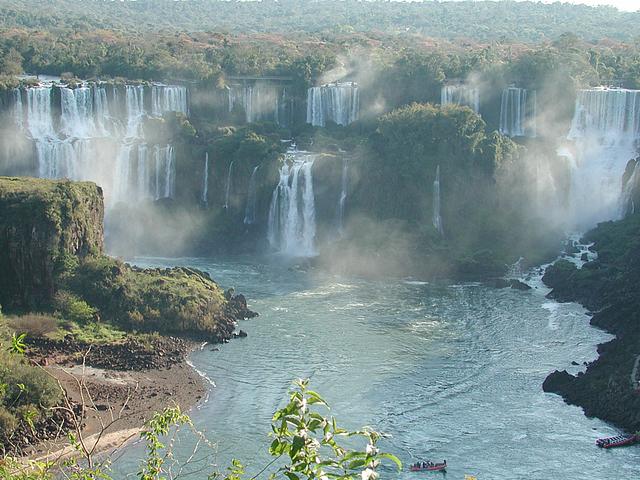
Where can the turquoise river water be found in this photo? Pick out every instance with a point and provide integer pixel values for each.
(450, 371)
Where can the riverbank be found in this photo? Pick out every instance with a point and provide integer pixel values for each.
(609, 388)
(114, 398)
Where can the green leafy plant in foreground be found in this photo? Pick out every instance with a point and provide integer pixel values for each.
(305, 445)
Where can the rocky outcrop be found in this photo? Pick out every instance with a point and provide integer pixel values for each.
(608, 286)
(42, 223)
(51, 243)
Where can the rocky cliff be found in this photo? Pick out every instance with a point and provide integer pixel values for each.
(51, 244)
(608, 286)
(41, 224)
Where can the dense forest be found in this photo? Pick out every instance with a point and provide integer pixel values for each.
(486, 21)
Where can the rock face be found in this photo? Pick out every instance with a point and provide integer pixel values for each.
(610, 387)
(51, 243)
(43, 222)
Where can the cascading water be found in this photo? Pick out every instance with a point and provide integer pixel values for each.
(342, 201)
(18, 111)
(227, 193)
(168, 98)
(250, 210)
(436, 218)
(205, 180)
(518, 112)
(292, 214)
(605, 131)
(260, 101)
(336, 102)
(460, 95)
(77, 144)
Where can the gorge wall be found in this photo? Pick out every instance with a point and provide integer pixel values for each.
(42, 223)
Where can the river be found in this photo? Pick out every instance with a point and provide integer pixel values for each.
(450, 371)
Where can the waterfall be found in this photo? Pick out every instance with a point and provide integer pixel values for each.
(122, 177)
(437, 219)
(518, 112)
(229, 181)
(18, 111)
(77, 112)
(250, 209)
(261, 101)
(135, 110)
(337, 102)
(164, 167)
(143, 172)
(168, 98)
(342, 201)
(460, 95)
(83, 137)
(39, 118)
(205, 180)
(292, 214)
(605, 130)
(627, 204)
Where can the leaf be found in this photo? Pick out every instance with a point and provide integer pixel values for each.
(291, 476)
(296, 446)
(392, 457)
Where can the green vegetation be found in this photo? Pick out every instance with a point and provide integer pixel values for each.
(27, 393)
(607, 286)
(309, 444)
(523, 21)
(51, 244)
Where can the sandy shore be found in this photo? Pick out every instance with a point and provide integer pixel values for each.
(119, 403)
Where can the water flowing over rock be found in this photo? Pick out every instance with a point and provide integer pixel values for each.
(250, 210)
(518, 112)
(229, 184)
(94, 132)
(437, 219)
(336, 102)
(605, 130)
(168, 98)
(342, 201)
(292, 213)
(205, 180)
(461, 95)
(260, 101)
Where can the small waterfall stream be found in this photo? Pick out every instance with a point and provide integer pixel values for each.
(336, 102)
(292, 214)
(229, 185)
(436, 218)
(342, 201)
(250, 209)
(205, 180)
(461, 95)
(518, 112)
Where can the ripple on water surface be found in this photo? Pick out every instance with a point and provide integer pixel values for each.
(450, 371)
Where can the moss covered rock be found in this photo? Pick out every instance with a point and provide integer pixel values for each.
(42, 224)
(51, 243)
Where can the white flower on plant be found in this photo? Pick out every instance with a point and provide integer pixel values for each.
(372, 450)
(369, 474)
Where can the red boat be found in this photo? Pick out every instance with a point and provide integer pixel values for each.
(428, 467)
(618, 441)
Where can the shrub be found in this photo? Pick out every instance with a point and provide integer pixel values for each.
(36, 324)
(71, 307)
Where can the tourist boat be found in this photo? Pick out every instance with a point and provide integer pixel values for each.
(430, 467)
(617, 441)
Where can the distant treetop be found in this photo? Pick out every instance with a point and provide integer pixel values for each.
(508, 21)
